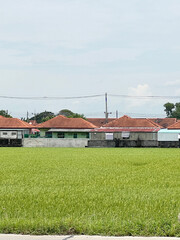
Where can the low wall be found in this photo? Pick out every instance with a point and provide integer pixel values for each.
(122, 143)
(54, 142)
(169, 144)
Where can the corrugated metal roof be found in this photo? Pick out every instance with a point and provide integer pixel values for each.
(169, 131)
(68, 130)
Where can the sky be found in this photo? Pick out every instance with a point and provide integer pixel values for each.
(72, 48)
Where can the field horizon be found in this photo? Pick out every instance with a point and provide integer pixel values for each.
(114, 191)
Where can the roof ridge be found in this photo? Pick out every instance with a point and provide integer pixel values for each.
(155, 124)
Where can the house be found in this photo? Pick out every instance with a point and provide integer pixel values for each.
(126, 131)
(61, 131)
(63, 127)
(13, 130)
(170, 137)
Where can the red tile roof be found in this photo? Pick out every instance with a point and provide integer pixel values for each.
(164, 122)
(2, 116)
(99, 121)
(33, 122)
(133, 129)
(175, 125)
(66, 123)
(127, 122)
(13, 123)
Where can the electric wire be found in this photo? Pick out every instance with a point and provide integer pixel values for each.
(50, 98)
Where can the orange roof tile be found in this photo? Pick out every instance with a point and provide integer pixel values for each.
(99, 121)
(127, 121)
(66, 123)
(33, 122)
(2, 116)
(164, 122)
(175, 125)
(12, 123)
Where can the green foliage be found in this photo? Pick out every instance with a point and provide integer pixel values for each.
(121, 192)
(4, 113)
(43, 116)
(172, 110)
(68, 113)
(169, 109)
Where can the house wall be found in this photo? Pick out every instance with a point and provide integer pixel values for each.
(168, 136)
(133, 136)
(54, 142)
(14, 133)
(66, 134)
(43, 132)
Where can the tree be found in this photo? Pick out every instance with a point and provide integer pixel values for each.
(4, 113)
(172, 110)
(169, 109)
(43, 116)
(68, 113)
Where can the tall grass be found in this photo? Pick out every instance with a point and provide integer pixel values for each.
(90, 191)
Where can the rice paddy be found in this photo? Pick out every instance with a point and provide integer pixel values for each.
(118, 192)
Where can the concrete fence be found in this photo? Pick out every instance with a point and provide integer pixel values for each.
(54, 142)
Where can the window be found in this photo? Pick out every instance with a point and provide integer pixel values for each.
(87, 135)
(4, 133)
(48, 135)
(60, 135)
(13, 134)
(125, 135)
(75, 135)
(109, 136)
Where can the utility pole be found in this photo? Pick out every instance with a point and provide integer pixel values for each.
(106, 107)
(116, 113)
(27, 116)
(106, 112)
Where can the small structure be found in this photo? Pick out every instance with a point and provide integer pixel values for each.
(61, 131)
(63, 127)
(126, 132)
(12, 131)
(169, 137)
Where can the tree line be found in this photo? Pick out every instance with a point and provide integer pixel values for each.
(172, 111)
(46, 115)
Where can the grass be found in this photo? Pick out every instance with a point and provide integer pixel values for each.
(90, 191)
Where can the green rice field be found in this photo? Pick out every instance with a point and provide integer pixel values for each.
(113, 191)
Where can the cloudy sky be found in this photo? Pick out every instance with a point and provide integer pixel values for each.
(69, 48)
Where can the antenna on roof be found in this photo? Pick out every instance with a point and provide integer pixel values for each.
(106, 112)
(116, 113)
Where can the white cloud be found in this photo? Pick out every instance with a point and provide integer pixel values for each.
(173, 83)
(139, 91)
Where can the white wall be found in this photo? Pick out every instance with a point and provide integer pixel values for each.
(54, 142)
(168, 136)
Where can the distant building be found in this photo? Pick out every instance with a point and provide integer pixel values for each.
(126, 131)
(63, 127)
(13, 130)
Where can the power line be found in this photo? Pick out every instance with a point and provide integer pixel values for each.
(50, 98)
(88, 96)
(145, 97)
